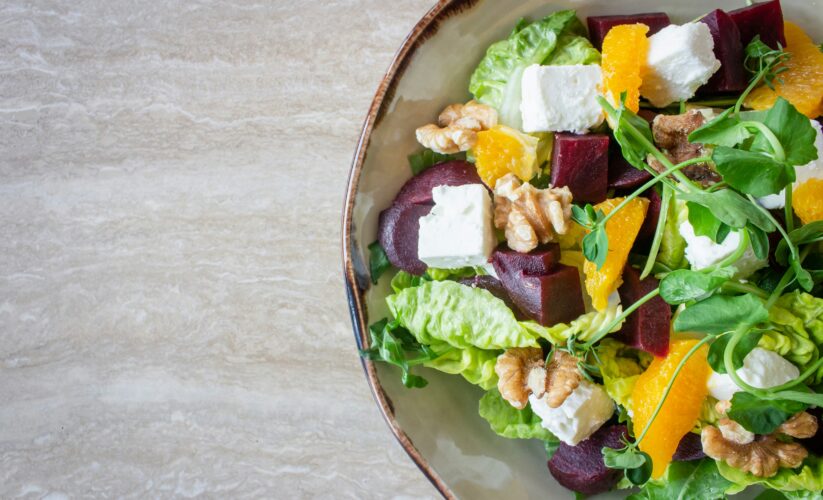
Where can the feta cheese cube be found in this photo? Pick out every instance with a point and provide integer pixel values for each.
(679, 61)
(561, 98)
(458, 231)
(702, 252)
(811, 170)
(584, 411)
(761, 368)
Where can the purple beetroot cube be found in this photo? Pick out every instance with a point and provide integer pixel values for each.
(581, 162)
(728, 49)
(599, 26)
(537, 262)
(581, 468)
(418, 189)
(546, 298)
(397, 231)
(649, 226)
(647, 328)
(689, 448)
(622, 174)
(764, 19)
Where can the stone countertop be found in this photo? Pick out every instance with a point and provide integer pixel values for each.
(172, 312)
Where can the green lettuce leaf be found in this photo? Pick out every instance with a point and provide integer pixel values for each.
(797, 330)
(807, 479)
(507, 421)
(462, 316)
(573, 49)
(583, 328)
(686, 480)
(620, 367)
(672, 252)
(496, 80)
(475, 365)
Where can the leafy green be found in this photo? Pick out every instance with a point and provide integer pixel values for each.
(764, 60)
(741, 350)
(475, 365)
(730, 208)
(724, 130)
(759, 241)
(378, 261)
(794, 131)
(636, 464)
(761, 416)
(496, 80)
(705, 223)
(573, 49)
(507, 421)
(796, 330)
(720, 314)
(596, 243)
(395, 345)
(803, 482)
(620, 367)
(459, 315)
(672, 252)
(752, 172)
(621, 119)
(684, 285)
(453, 274)
(686, 481)
(426, 158)
(808, 233)
(403, 280)
(583, 328)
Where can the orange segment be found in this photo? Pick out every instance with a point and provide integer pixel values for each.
(622, 230)
(682, 407)
(802, 82)
(502, 150)
(624, 63)
(807, 201)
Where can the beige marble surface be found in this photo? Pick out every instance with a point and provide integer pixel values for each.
(172, 315)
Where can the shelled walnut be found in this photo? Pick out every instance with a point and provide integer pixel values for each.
(522, 372)
(456, 128)
(530, 216)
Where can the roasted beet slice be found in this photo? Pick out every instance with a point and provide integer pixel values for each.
(689, 448)
(536, 262)
(547, 298)
(600, 25)
(728, 49)
(581, 468)
(581, 162)
(764, 19)
(397, 230)
(418, 189)
(649, 226)
(648, 327)
(496, 288)
(622, 174)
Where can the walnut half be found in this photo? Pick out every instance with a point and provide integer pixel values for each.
(457, 127)
(522, 372)
(530, 216)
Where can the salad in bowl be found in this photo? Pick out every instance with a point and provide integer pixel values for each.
(617, 239)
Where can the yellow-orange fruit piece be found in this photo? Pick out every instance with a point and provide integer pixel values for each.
(502, 150)
(802, 82)
(621, 230)
(625, 48)
(807, 201)
(682, 406)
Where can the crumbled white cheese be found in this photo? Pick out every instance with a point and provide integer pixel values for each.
(679, 61)
(761, 368)
(702, 252)
(561, 98)
(811, 170)
(584, 411)
(458, 231)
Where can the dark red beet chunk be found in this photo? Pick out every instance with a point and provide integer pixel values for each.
(547, 298)
(649, 226)
(731, 77)
(689, 448)
(622, 174)
(581, 162)
(580, 468)
(418, 189)
(496, 288)
(764, 19)
(647, 328)
(600, 25)
(397, 230)
(539, 261)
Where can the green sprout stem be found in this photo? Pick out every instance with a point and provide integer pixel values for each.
(783, 233)
(733, 257)
(788, 212)
(774, 142)
(658, 234)
(736, 286)
(669, 386)
(625, 314)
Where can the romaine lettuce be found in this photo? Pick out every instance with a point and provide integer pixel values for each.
(496, 80)
(682, 480)
(807, 479)
(672, 252)
(462, 316)
(573, 49)
(620, 367)
(508, 421)
(797, 332)
(583, 328)
(475, 365)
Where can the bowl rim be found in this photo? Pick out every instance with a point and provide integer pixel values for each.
(425, 28)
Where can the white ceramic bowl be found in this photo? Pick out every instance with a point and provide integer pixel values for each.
(439, 426)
